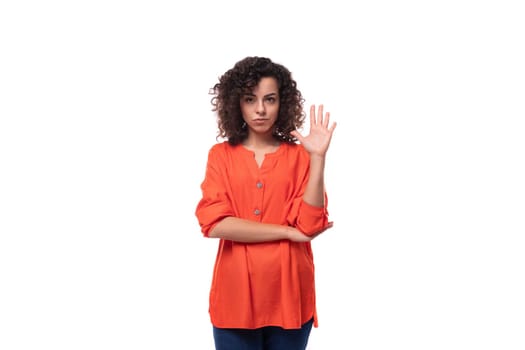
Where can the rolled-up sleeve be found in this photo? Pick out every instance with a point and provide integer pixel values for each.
(307, 218)
(215, 203)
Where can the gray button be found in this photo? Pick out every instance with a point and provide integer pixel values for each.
(257, 212)
(259, 184)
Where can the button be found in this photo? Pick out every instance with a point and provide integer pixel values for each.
(259, 184)
(257, 212)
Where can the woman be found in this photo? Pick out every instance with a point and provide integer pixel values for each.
(263, 196)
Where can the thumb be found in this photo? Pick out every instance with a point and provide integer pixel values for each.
(297, 135)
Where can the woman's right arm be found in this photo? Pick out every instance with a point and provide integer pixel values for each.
(246, 231)
(242, 230)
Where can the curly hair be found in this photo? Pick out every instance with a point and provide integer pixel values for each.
(241, 79)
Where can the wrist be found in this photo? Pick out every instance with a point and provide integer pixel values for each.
(317, 156)
(287, 232)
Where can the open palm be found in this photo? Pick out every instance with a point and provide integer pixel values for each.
(318, 140)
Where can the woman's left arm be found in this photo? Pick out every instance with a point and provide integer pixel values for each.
(316, 144)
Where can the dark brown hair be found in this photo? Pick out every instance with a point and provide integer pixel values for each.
(241, 79)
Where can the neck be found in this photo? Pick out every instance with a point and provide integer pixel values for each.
(260, 142)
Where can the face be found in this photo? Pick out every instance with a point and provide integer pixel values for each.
(260, 108)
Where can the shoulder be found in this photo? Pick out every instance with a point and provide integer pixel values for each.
(220, 148)
(223, 151)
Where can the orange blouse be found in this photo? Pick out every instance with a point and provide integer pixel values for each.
(269, 283)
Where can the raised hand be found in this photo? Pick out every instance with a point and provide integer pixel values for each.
(318, 140)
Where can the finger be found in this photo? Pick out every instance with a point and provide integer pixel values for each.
(320, 114)
(297, 135)
(312, 115)
(332, 128)
(326, 120)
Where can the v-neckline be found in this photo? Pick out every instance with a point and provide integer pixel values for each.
(265, 156)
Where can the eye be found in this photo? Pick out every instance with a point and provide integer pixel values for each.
(271, 99)
(248, 99)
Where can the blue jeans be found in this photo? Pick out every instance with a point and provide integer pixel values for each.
(265, 338)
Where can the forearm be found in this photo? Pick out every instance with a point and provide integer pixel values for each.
(246, 231)
(314, 193)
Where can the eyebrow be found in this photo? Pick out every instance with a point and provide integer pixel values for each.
(267, 95)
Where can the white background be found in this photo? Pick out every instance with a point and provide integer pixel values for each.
(104, 131)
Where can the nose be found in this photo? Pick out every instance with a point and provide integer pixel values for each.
(259, 108)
